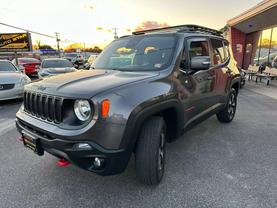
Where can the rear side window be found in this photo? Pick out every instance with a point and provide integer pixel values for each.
(226, 50)
(218, 51)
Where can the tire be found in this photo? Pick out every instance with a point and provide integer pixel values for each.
(228, 113)
(150, 151)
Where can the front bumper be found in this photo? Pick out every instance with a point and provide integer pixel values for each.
(14, 93)
(114, 161)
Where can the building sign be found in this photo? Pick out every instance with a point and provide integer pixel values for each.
(15, 42)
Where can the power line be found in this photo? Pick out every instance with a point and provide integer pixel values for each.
(34, 32)
(19, 28)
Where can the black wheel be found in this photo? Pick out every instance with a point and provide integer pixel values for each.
(150, 151)
(228, 113)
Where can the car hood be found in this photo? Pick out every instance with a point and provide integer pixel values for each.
(59, 70)
(86, 84)
(10, 77)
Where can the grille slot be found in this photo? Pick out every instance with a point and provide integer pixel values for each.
(44, 106)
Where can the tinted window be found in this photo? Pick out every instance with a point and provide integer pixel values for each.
(56, 64)
(199, 48)
(138, 53)
(227, 52)
(6, 66)
(218, 51)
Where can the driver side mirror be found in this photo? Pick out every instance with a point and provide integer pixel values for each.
(200, 63)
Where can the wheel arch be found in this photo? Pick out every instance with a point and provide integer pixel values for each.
(170, 110)
(236, 84)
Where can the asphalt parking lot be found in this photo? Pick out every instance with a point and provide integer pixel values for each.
(213, 165)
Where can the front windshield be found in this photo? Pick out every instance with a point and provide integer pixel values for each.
(71, 54)
(135, 53)
(6, 67)
(56, 64)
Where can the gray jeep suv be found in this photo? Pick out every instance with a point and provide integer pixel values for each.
(144, 90)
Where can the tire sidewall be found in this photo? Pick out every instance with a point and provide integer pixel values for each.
(233, 92)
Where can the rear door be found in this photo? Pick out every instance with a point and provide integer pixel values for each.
(220, 60)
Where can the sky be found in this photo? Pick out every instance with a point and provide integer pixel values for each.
(91, 21)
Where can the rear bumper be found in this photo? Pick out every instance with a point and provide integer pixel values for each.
(30, 71)
(114, 161)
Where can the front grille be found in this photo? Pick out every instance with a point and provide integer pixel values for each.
(6, 86)
(43, 106)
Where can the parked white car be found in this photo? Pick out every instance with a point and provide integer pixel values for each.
(12, 81)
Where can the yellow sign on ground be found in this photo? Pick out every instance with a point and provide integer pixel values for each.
(15, 42)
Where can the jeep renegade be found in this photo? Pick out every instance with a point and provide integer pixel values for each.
(143, 91)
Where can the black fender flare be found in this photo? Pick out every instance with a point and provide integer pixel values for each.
(140, 114)
(234, 81)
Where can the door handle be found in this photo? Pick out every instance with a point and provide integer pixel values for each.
(210, 77)
(206, 63)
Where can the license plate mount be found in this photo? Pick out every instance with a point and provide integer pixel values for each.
(32, 143)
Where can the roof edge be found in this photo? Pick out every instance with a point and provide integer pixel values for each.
(253, 11)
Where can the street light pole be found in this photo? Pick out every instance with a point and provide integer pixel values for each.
(58, 42)
(115, 33)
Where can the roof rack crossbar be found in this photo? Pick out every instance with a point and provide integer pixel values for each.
(181, 28)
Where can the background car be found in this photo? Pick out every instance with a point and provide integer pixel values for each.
(29, 64)
(75, 58)
(264, 61)
(12, 81)
(55, 66)
(90, 60)
(274, 62)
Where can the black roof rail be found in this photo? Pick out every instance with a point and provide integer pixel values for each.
(125, 36)
(181, 28)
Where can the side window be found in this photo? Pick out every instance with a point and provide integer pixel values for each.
(199, 48)
(226, 49)
(218, 51)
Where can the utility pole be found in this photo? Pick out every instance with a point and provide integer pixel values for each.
(115, 32)
(58, 42)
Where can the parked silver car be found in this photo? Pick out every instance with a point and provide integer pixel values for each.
(12, 81)
(54, 66)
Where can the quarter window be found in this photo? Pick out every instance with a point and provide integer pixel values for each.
(226, 49)
(218, 52)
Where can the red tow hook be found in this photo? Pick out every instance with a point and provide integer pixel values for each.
(63, 163)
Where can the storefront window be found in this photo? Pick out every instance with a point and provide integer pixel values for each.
(257, 55)
(265, 45)
(273, 49)
(266, 51)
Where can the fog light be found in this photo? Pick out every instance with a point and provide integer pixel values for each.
(97, 162)
(83, 146)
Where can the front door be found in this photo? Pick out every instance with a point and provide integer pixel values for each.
(196, 90)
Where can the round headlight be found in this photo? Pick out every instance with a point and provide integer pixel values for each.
(82, 109)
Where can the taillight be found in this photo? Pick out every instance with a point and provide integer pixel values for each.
(105, 107)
